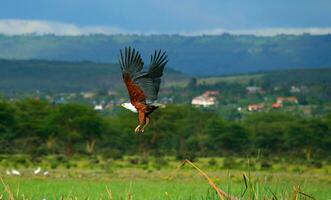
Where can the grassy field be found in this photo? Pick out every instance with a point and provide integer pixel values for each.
(143, 183)
(241, 79)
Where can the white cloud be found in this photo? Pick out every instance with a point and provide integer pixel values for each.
(18, 27)
(264, 31)
(39, 27)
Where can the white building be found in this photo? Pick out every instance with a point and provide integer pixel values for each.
(98, 107)
(253, 89)
(204, 101)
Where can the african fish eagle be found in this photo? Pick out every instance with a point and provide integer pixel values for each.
(143, 86)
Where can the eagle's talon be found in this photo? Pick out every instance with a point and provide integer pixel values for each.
(137, 129)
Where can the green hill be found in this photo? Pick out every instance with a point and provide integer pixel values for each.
(59, 76)
(195, 55)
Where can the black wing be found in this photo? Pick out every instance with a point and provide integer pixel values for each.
(131, 62)
(150, 81)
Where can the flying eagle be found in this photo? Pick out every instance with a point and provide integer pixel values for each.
(143, 87)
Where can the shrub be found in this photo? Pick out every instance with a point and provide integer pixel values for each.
(229, 163)
(265, 165)
(61, 158)
(21, 161)
(144, 161)
(70, 165)
(107, 166)
(94, 160)
(113, 153)
(212, 162)
(54, 164)
(160, 162)
(191, 156)
(134, 161)
(316, 164)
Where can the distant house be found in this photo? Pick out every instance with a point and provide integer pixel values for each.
(87, 95)
(295, 89)
(281, 100)
(277, 105)
(60, 100)
(203, 101)
(206, 99)
(72, 95)
(111, 93)
(255, 107)
(98, 107)
(49, 98)
(211, 93)
(253, 89)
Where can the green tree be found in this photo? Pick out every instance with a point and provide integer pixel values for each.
(7, 125)
(91, 127)
(66, 124)
(7, 119)
(32, 117)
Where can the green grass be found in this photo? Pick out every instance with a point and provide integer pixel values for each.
(80, 178)
(91, 188)
(144, 184)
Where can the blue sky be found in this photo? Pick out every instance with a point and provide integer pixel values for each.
(167, 16)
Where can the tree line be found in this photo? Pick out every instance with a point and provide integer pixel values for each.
(40, 128)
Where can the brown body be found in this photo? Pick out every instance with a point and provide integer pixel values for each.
(138, 100)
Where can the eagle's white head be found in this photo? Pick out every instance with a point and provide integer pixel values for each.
(129, 106)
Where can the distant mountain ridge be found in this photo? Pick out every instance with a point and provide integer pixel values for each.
(61, 76)
(26, 76)
(194, 55)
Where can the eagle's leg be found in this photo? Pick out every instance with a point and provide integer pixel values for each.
(147, 122)
(142, 121)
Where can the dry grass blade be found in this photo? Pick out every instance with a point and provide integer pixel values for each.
(129, 197)
(110, 194)
(306, 195)
(17, 191)
(221, 194)
(176, 170)
(10, 194)
(295, 193)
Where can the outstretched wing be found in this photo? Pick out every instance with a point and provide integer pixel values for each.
(150, 81)
(142, 85)
(131, 66)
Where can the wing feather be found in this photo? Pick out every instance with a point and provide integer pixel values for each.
(158, 63)
(131, 66)
(154, 74)
(142, 85)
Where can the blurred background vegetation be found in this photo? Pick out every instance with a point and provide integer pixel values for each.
(72, 108)
(39, 128)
